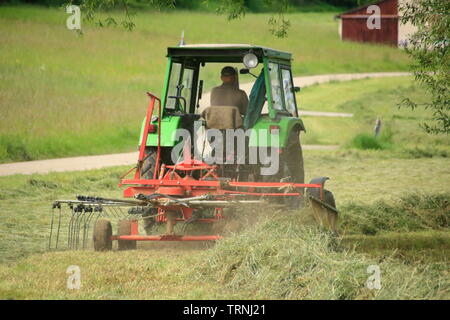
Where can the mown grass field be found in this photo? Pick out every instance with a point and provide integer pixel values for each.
(62, 94)
(83, 95)
(394, 213)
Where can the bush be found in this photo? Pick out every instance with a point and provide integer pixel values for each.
(365, 141)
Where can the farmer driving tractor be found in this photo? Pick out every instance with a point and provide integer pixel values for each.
(229, 94)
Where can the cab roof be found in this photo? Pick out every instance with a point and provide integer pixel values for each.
(225, 52)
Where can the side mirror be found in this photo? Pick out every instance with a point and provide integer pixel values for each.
(296, 89)
(246, 71)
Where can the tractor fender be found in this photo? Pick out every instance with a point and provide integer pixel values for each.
(285, 126)
(169, 126)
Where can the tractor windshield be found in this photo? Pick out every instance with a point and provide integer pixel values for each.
(180, 88)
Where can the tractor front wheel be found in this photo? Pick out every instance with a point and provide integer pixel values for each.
(102, 235)
(149, 163)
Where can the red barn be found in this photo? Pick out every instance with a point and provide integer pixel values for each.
(376, 23)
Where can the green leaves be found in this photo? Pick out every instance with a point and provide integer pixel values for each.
(233, 9)
(429, 49)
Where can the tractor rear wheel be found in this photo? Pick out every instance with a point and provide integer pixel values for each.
(292, 160)
(149, 163)
(125, 230)
(102, 235)
(291, 167)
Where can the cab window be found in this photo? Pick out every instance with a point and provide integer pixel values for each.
(173, 84)
(180, 85)
(288, 90)
(186, 93)
(277, 98)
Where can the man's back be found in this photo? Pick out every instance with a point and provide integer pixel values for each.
(228, 95)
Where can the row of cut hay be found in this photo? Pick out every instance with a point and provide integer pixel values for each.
(280, 256)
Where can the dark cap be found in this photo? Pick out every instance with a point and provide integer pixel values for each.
(228, 71)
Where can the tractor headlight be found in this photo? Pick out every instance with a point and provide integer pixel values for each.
(250, 60)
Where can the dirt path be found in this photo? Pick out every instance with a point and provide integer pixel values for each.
(110, 160)
(89, 162)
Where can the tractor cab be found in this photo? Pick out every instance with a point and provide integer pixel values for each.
(187, 79)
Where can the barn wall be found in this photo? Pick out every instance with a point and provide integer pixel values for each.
(355, 29)
(354, 24)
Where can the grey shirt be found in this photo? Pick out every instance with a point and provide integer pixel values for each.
(229, 95)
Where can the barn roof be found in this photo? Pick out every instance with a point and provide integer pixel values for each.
(361, 8)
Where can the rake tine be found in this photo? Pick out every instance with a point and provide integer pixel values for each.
(105, 212)
(88, 223)
(96, 214)
(74, 228)
(69, 230)
(122, 214)
(113, 209)
(111, 212)
(101, 214)
(86, 228)
(81, 218)
(116, 213)
(59, 227)
(51, 230)
(81, 225)
(78, 221)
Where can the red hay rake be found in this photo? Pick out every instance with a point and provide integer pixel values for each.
(186, 192)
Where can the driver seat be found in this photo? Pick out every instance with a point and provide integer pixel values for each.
(222, 117)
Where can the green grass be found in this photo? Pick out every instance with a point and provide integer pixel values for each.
(391, 214)
(368, 100)
(62, 94)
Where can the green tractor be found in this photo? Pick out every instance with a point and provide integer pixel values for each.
(176, 181)
(272, 107)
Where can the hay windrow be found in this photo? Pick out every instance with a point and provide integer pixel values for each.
(282, 257)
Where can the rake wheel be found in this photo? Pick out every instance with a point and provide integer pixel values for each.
(125, 230)
(102, 235)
